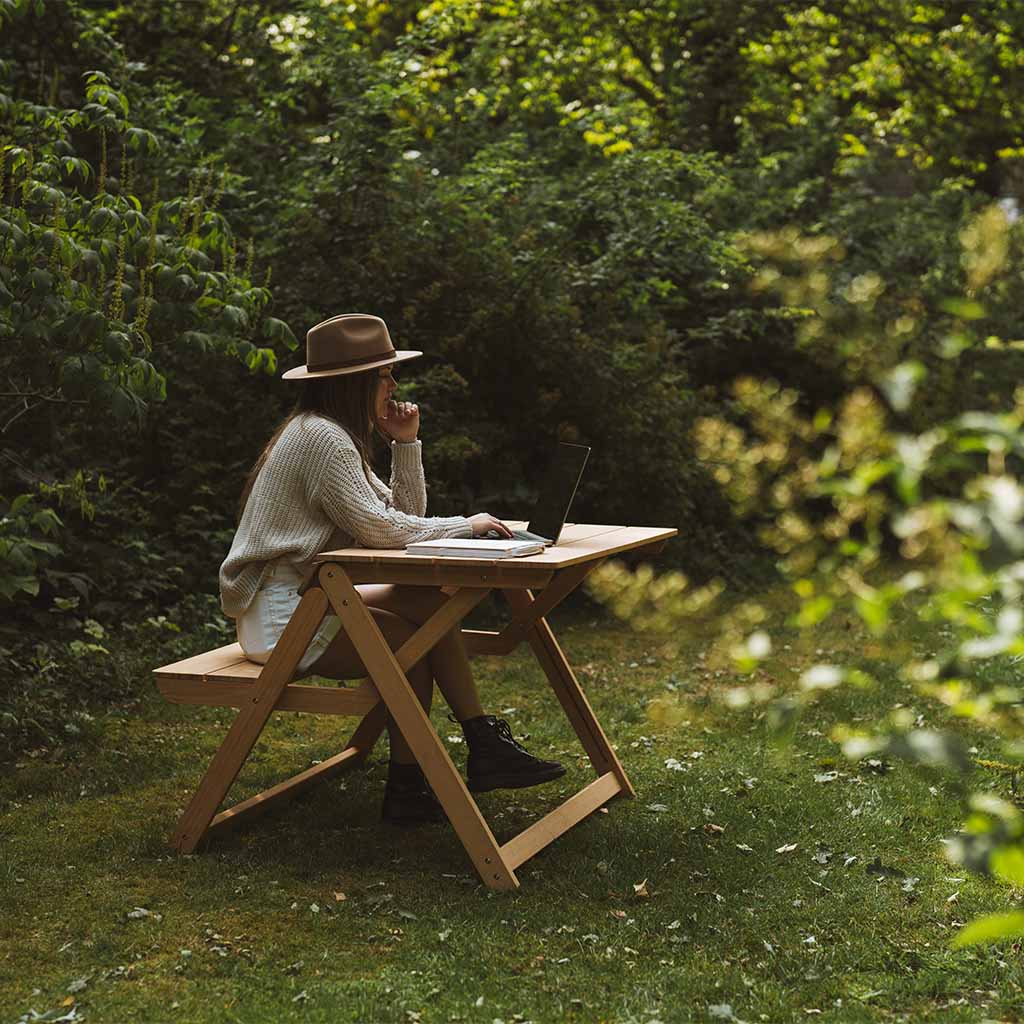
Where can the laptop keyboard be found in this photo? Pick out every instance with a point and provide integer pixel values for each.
(516, 535)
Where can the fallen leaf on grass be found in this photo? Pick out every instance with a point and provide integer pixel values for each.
(712, 829)
(640, 890)
(744, 848)
(140, 912)
(723, 1011)
(618, 913)
(339, 897)
(53, 1016)
(788, 848)
(657, 808)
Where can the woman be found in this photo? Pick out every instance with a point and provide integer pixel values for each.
(313, 489)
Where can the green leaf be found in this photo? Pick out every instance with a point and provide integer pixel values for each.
(965, 309)
(991, 928)
(278, 330)
(813, 611)
(102, 218)
(1007, 863)
(874, 610)
(11, 585)
(19, 503)
(42, 280)
(139, 138)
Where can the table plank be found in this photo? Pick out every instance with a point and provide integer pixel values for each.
(582, 542)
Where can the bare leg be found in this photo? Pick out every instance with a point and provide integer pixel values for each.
(341, 661)
(448, 660)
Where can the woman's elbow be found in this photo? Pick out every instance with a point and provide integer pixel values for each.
(380, 535)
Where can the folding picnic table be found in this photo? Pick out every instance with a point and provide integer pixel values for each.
(532, 586)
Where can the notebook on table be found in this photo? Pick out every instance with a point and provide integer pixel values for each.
(554, 499)
(476, 547)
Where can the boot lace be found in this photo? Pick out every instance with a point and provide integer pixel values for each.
(504, 730)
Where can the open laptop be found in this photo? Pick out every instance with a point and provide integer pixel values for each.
(557, 490)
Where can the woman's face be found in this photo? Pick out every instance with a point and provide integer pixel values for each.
(385, 389)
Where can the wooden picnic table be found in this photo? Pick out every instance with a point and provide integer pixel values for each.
(532, 586)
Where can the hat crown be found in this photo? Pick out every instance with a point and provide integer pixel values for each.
(348, 340)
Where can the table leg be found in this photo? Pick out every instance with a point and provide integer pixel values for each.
(249, 723)
(393, 686)
(569, 692)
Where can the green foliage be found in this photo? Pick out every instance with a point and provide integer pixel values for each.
(878, 504)
(104, 282)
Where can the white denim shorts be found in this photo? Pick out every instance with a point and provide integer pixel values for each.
(260, 626)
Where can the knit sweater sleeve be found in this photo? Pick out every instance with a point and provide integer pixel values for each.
(350, 502)
(408, 483)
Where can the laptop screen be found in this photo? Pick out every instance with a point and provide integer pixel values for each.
(558, 487)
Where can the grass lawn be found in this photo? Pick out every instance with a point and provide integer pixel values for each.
(736, 887)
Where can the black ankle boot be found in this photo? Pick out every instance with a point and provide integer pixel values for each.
(408, 799)
(497, 761)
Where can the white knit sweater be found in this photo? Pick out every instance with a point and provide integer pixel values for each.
(312, 495)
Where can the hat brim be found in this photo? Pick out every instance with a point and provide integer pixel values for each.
(302, 373)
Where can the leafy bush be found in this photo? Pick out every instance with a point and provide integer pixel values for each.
(867, 514)
(108, 287)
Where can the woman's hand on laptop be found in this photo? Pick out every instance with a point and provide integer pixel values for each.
(483, 522)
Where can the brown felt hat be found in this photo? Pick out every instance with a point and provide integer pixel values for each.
(349, 343)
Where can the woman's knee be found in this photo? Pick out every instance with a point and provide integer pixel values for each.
(415, 604)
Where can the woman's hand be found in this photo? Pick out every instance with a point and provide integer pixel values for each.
(482, 522)
(401, 421)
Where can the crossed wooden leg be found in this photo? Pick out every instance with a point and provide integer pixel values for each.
(387, 672)
(563, 682)
(269, 690)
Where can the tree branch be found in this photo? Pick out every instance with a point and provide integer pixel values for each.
(41, 397)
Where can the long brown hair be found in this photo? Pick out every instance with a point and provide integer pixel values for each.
(349, 400)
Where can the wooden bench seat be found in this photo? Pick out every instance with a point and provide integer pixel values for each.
(226, 678)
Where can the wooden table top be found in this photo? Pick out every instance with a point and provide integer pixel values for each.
(579, 542)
